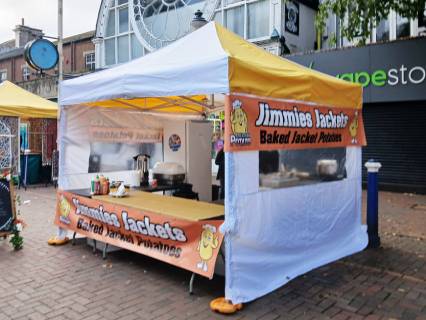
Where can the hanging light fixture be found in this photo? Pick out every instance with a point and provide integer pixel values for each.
(198, 21)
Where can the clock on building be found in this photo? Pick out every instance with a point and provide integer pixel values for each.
(41, 54)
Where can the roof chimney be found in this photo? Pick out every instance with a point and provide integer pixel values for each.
(24, 34)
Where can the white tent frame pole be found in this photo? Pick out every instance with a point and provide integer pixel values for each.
(204, 105)
(60, 41)
(177, 103)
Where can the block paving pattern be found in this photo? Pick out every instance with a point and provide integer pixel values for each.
(70, 282)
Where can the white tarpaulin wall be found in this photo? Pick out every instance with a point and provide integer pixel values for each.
(112, 134)
(272, 236)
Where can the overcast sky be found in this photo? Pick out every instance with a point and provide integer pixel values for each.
(79, 16)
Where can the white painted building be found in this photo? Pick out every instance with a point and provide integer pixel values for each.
(129, 29)
(393, 28)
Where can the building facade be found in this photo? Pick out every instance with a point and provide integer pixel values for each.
(79, 58)
(127, 30)
(393, 28)
(392, 71)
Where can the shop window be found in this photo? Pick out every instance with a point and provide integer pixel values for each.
(421, 20)
(89, 60)
(120, 44)
(402, 27)
(26, 73)
(110, 28)
(382, 30)
(288, 168)
(249, 19)
(123, 49)
(110, 51)
(235, 20)
(123, 20)
(137, 49)
(3, 75)
(258, 19)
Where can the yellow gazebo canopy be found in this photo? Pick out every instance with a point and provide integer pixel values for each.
(17, 102)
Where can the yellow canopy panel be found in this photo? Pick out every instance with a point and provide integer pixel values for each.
(255, 71)
(17, 102)
(185, 105)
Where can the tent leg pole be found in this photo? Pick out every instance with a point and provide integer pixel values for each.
(73, 238)
(25, 172)
(104, 251)
(94, 246)
(191, 283)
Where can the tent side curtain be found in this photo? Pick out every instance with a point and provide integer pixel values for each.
(17, 102)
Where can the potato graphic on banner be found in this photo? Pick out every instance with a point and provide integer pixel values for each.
(64, 207)
(238, 118)
(353, 128)
(208, 242)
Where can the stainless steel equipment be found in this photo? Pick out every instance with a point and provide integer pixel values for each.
(142, 166)
(327, 169)
(168, 173)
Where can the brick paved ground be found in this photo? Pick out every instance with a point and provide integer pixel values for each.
(42, 282)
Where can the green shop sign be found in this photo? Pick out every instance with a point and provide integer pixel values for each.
(392, 77)
(389, 72)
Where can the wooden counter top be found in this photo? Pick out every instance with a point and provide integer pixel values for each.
(180, 208)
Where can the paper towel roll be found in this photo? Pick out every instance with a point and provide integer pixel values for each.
(134, 179)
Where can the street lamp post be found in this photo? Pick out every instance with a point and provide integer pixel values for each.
(60, 41)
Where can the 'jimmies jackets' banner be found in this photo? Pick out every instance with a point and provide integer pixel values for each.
(254, 123)
(192, 245)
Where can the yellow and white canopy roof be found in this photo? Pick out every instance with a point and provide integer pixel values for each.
(17, 102)
(211, 60)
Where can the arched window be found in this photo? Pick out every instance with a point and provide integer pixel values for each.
(128, 29)
(120, 42)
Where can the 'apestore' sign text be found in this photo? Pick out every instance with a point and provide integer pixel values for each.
(389, 72)
(394, 76)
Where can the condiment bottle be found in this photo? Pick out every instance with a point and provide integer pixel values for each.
(104, 186)
(97, 185)
(107, 186)
(102, 179)
(92, 186)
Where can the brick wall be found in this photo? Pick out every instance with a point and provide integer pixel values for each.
(7, 65)
(74, 61)
(74, 56)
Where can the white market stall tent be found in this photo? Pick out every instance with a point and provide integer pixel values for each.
(293, 140)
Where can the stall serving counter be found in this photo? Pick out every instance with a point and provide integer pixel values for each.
(182, 232)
